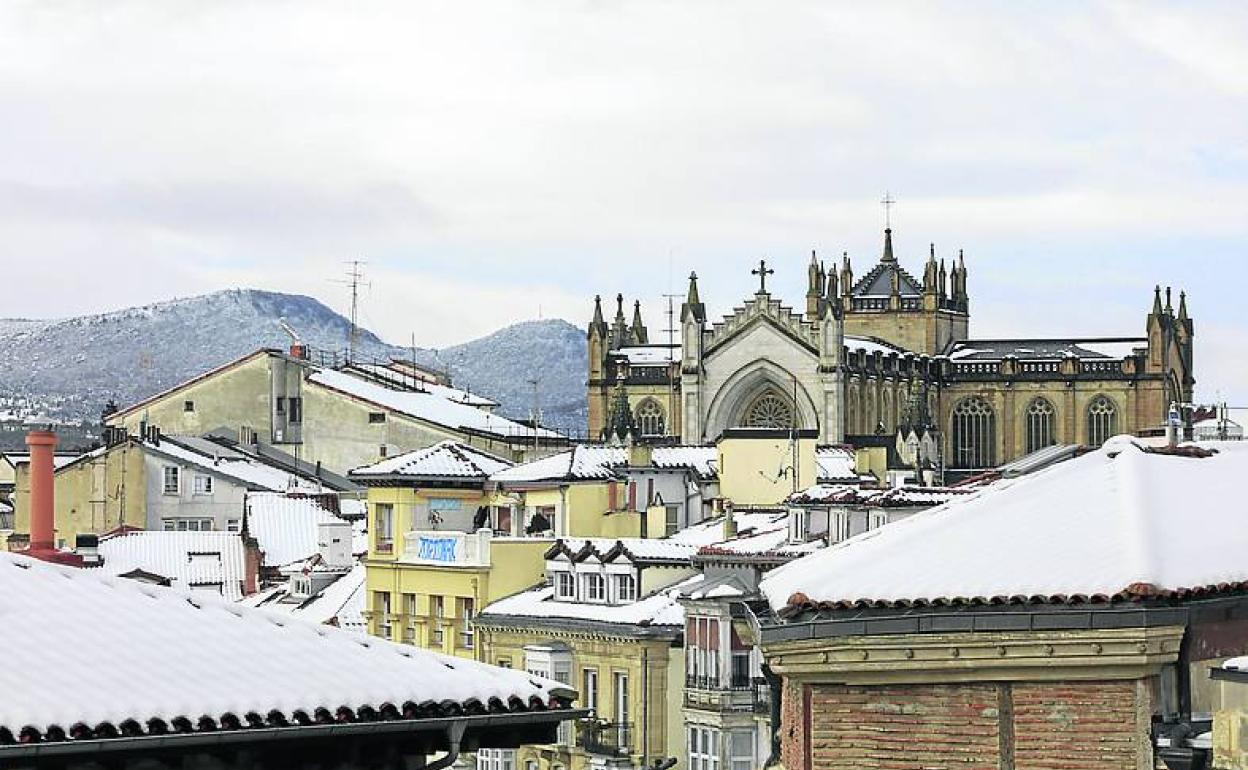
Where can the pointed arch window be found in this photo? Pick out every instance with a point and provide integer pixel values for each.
(769, 410)
(1039, 424)
(650, 419)
(974, 433)
(1102, 420)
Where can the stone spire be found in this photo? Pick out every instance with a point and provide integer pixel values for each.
(1169, 306)
(1157, 300)
(888, 246)
(1183, 306)
(930, 274)
(619, 328)
(620, 427)
(814, 288)
(693, 309)
(944, 277)
(598, 325)
(847, 274)
(640, 335)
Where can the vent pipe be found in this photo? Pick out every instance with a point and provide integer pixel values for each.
(42, 444)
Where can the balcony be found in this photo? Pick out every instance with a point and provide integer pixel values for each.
(457, 549)
(741, 694)
(612, 739)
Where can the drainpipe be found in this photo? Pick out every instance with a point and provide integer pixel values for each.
(454, 735)
(645, 703)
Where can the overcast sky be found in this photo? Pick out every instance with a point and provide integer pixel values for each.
(496, 161)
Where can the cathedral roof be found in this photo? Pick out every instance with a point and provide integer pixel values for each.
(1115, 348)
(879, 282)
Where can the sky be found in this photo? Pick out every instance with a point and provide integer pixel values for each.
(496, 162)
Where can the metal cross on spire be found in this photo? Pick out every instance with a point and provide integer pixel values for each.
(762, 271)
(888, 205)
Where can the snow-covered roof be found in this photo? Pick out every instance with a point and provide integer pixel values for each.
(1125, 521)
(870, 345)
(892, 497)
(209, 561)
(660, 608)
(59, 459)
(285, 526)
(223, 461)
(836, 463)
(426, 406)
(341, 603)
(446, 459)
(1236, 664)
(650, 355)
(407, 378)
(638, 550)
(711, 531)
(174, 655)
(590, 462)
(1115, 348)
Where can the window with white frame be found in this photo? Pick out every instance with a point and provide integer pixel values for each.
(702, 652)
(467, 614)
(186, 525)
(840, 526)
(589, 689)
(233, 525)
(623, 708)
(626, 588)
(383, 517)
(595, 588)
(876, 519)
(741, 749)
(496, 759)
(202, 485)
(437, 612)
(703, 748)
(565, 586)
(171, 480)
(381, 605)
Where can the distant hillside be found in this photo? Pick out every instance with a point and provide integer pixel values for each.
(69, 369)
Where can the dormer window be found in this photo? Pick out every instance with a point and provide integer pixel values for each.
(565, 586)
(595, 588)
(626, 588)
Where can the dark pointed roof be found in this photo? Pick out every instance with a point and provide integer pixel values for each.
(887, 273)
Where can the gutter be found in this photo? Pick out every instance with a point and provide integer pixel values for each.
(274, 734)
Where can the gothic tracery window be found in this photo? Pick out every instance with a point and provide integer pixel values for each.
(769, 411)
(974, 433)
(1039, 424)
(649, 419)
(1102, 420)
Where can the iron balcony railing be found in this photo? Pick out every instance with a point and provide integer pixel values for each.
(608, 738)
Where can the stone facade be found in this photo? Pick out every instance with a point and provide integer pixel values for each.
(880, 353)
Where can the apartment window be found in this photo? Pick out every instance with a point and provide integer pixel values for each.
(504, 662)
(467, 607)
(589, 689)
(186, 525)
(595, 588)
(702, 652)
(376, 418)
(384, 518)
(280, 405)
(626, 587)
(740, 668)
(188, 406)
(296, 409)
(876, 519)
(233, 525)
(382, 452)
(172, 479)
(703, 748)
(496, 759)
(438, 610)
(409, 611)
(622, 705)
(840, 526)
(671, 522)
(202, 485)
(741, 750)
(381, 604)
(565, 585)
(502, 520)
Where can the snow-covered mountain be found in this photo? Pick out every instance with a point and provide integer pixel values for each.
(69, 369)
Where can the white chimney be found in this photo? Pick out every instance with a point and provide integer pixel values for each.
(333, 539)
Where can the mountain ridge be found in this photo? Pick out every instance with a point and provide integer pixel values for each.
(67, 369)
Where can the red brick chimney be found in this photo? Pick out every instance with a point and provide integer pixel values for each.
(43, 501)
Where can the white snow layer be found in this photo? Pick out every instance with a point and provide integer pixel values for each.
(167, 653)
(1094, 525)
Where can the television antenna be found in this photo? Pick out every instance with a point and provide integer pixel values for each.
(354, 279)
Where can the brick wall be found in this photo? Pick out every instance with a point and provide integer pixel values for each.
(1059, 726)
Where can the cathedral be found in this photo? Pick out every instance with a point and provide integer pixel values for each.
(880, 358)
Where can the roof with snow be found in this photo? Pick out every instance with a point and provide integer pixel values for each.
(1125, 522)
(871, 345)
(215, 681)
(1105, 348)
(286, 526)
(339, 604)
(211, 562)
(893, 497)
(836, 463)
(446, 459)
(658, 612)
(425, 406)
(638, 550)
(403, 376)
(598, 462)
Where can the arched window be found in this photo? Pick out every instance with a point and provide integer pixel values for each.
(649, 419)
(1102, 420)
(974, 433)
(1039, 424)
(770, 410)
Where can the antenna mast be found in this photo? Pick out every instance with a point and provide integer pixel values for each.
(354, 279)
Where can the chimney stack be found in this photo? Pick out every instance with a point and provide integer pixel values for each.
(42, 444)
(730, 522)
